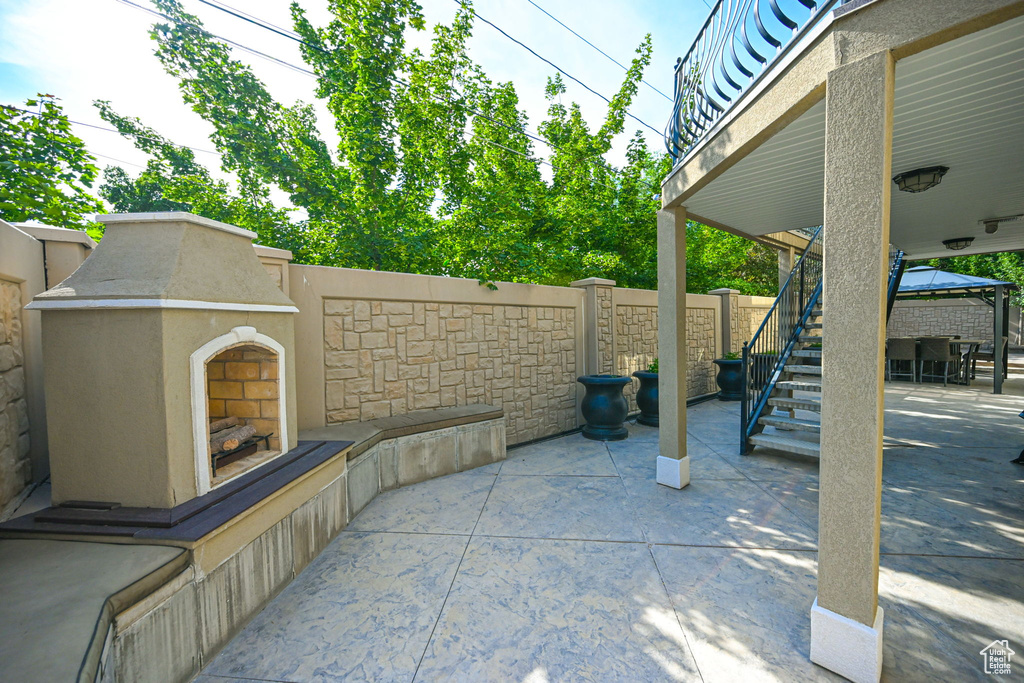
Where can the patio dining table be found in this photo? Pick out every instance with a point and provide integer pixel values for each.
(965, 357)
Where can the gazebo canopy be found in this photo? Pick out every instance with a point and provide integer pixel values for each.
(924, 279)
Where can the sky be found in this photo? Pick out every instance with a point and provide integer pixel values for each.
(84, 50)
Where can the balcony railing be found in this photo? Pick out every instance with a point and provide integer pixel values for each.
(738, 44)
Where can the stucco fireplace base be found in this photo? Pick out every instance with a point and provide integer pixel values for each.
(127, 340)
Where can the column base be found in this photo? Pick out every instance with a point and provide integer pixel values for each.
(672, 472)
(845, 646)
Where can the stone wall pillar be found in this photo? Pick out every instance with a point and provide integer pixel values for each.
(846, 621)
(23, 444)
(673, 465)
(599, 324)
(731, 336)
(787, 260)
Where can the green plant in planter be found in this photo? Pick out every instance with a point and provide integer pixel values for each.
(653, 367)
(731, 355)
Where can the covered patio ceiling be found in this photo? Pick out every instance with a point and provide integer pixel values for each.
(959, 105)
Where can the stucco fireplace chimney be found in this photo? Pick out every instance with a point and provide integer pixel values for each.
(171, 324)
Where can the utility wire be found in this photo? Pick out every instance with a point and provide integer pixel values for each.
(114, 130)
(241, 14)
(120, 161)
(240, 46)
(261, 23)
(613, 60)
(552, 64)
(293, 36)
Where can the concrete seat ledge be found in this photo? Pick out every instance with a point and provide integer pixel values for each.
(367, 434)
(60, 599)
(405, 449)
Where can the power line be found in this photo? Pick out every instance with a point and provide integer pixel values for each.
(552, 64)
(614, 61)
(256, 21)
(523, 154)
(261, 23)
(120, 161)
(240, 46)
(114, 130)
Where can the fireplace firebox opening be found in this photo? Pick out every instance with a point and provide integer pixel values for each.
(239, 423)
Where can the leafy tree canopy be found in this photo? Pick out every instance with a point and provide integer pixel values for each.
(434, 170)
(46, 170)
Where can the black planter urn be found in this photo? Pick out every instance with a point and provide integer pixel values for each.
(729, 379)
(647, 397)
(604, 407)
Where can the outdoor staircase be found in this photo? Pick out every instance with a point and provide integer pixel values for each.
(782, 389)
(791, 421)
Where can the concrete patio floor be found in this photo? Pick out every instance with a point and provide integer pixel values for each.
(568, 562)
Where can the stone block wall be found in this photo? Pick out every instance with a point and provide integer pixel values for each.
(702, 347)
(15, 465)
(377, 344)
(385, 358)
(636, 343)
(636, 338)
(751, 311)
(969, 318)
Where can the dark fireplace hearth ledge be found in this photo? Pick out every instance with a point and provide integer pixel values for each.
(185, 523)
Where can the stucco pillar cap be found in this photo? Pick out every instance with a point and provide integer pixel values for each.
(593, 282)
(724, 290)
(48, 233)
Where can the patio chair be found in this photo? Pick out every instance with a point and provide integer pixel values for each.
(937, 350)
(898, 351)
(987, 352)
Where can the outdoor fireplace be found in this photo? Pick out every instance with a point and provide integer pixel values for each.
(169, 334)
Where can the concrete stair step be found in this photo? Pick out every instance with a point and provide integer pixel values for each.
(813, 404)
(797, 369)
(807, 353)
(780, 422)
(812, 326)
(809, 339)
(799, 385)
(799, 403)
(788, 444)
(816, 313)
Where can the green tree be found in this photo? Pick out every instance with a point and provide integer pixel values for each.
(47, 171)
(434, 171)
(174, 181)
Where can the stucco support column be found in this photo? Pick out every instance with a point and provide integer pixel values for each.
(730, 319)
(673, 465)
(846, 621)
(599, 346)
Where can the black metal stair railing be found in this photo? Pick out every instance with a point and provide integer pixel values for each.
(767, 352)
(738, 43)
(897, 264)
